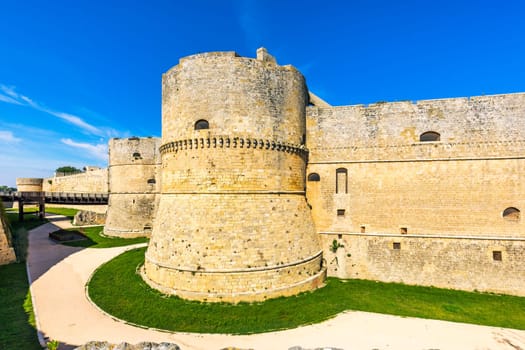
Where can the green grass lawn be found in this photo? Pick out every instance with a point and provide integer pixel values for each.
(97, 240)
(70, 213)
(19, 231)
(17, 326)
(119, 290)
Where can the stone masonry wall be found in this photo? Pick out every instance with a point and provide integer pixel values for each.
(460, 184)
(463, 197)
(133, 186)
(489, 264)
(233, 223)
(378, 183)
(93, 181)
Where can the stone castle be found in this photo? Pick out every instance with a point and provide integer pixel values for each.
(258, 188)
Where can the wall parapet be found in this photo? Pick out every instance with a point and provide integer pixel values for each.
(232, 142)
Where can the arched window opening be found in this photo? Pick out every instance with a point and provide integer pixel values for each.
(136, 155)
(429, 136)
(314, 177)
(511, 214)
(202, 124)
(341, 180)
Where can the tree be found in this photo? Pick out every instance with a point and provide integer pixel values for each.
(68, 170)
(7, 189)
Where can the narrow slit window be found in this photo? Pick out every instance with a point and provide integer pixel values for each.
(341, 180)
(429, 136)
(151, 181)
(202, 124)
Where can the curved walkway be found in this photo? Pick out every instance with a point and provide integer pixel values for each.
(59, 274)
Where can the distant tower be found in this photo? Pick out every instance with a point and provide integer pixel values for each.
(133, 186)
(233, 223)
(30, 192)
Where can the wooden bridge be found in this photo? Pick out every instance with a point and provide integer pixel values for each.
(57, 197)
(41, 198)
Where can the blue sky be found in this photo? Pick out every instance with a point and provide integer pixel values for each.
(75, 73)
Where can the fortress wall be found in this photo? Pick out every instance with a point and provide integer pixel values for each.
(133, 186)
(466, 264)
(441, 201)
(231, 232)
(233, 168)
(93, 181)
(458, 197)
(348, 129)
(232, 209)
(245, 97)
(254, 249)
(460, 184)
(28, 184)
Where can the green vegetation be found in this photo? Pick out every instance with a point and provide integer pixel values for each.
(20, 229)
(7, 189)
(17, 325)
(95, 239)
(68, 170)
(120, 291)
(70, 213)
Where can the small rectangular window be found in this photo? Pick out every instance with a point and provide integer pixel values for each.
(496, 255)
(363, 228)
(396, 245)
(340, 212)
(403, 230)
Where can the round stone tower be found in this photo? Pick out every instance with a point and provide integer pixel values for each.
(233, 223)
(29, 184)
(133, 186)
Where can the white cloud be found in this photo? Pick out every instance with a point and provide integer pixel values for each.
(8, 99)
(11, 96)
(73, 119)
(8, 137)
(9, 91)
(99, 151)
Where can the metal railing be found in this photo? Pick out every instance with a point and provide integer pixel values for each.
(57, 197)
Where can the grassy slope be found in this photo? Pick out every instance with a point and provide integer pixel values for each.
(117, 289)
(17, 325)
(17, 329)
